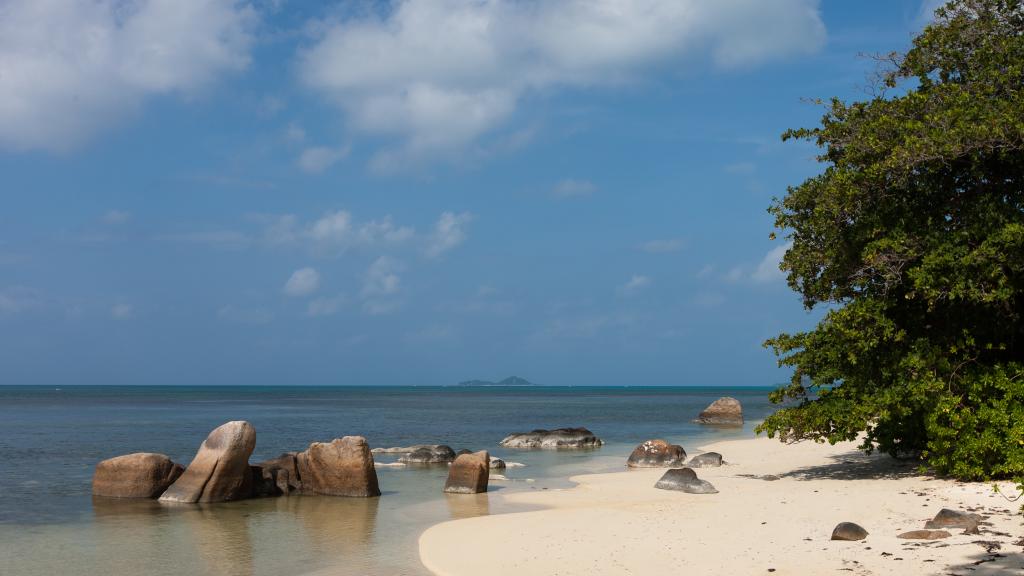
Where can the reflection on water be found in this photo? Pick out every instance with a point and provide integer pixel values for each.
(467, 505)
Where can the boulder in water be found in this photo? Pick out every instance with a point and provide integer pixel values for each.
(725, 411)
(342, 467)
(139, 475)
(657, 454)
(436, 454)
(497, 463)
(282, 473)
(558, 438)
(220, 470)
(468, 474)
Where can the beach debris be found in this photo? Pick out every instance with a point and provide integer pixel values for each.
(276, 476)
(657, 454)
(705, 460)
(468, 474)
(139, 475)
(849, 531)
(684, 480)
(342, 467)
(559, 438)
(497, 463)
(726, 411)
(947, 518)
(436, 454)
(220, 470)
(924, 535)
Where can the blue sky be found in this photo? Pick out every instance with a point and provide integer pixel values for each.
(284, 192)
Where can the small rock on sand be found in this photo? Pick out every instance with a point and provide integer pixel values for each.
(925, 535)
(849, 531)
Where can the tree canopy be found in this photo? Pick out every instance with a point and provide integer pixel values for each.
(912, 238)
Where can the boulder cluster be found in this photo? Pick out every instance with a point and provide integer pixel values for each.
(946, 518)
(559, 438)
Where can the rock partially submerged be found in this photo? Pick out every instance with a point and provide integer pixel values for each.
(559, 438)
(947, 518)
(849, 531)
(497, 463)
(925, 535)
(139, 475)
(435, 454)
(684, 480)
(402, 449)
(468, 474)
(706, 460)
(657, 454)
(281, 473)
(220, 470)
(725, 411)
(342, 467)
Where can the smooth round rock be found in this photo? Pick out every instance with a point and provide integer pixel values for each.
(725, 411)
(684, 480)
(925, 535)
(705, 460)
(139, 475)
(657, 454)
(849, 531)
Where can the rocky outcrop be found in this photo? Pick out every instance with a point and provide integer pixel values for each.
(342, 467)
(849, 531)
(947, 518)
(402, 449)
(925, 535)
(560, 438)
(684, 480)
(220, 470)
(706, 460)
(497, 463)
(725, 411)
(437, 454)
(139, 475)
(468, 474)
(281, 473)
(657, 454)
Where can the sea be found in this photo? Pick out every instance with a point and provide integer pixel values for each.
(52, 437)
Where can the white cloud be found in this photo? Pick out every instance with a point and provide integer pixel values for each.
(448, 233)
(438, 91)
(635, 284)
(302, 282)
(336, 231)
(316, 159)
(116, 217)
(70, 68)
(768, 270)
(326, 306)
(663, 246)
(122, 311)
(569, 188)
(382, 277)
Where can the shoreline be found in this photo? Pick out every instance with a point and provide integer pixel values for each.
(617, 523)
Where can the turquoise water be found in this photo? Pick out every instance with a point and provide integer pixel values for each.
(50, 439)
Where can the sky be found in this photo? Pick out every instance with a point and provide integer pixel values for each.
(412, 192)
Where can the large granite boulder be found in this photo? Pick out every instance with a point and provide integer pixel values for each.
(849, 531)
(553, 439)
(139, 475)
(436, 454)
(657, 454)
(220, 470)
(725, 411)
(277, 476)
(706, 460)
(468, 474)
(947, 518)
(684, 480)
(343, 467)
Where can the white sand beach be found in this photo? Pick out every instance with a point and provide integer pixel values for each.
(618, 523)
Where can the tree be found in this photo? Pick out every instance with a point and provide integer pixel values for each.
(912, 238)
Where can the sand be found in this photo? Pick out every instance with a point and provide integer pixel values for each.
(618, 523)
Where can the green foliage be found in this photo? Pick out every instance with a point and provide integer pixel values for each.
(913, 238)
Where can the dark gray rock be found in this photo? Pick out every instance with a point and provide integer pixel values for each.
(657, 454)
(559, 438)
(282, 472)
(706, 460)
(497, 463)
(849, 531)
(684, 480)
(438, 454)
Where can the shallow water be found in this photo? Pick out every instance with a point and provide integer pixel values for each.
(50, 440)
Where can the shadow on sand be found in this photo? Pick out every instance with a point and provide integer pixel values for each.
(855, 465)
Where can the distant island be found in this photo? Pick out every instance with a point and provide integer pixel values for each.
(510, 381)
